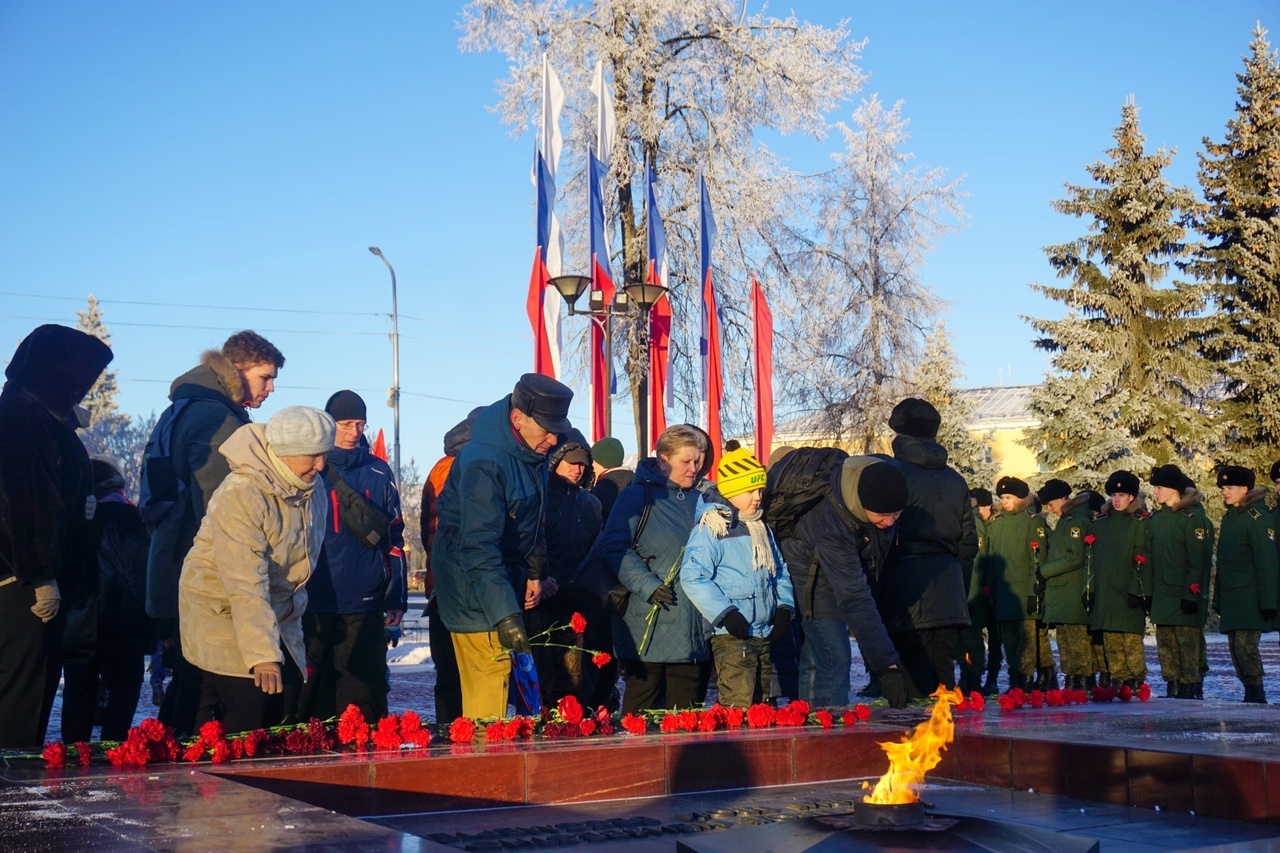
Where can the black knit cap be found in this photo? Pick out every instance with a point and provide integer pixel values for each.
(1052, 490)
(980, 496)
(1123, 481)
(1275, 471)
(346, 406)
(1234, 475)
(1169, 477)
(882, 488)
(1012, 486)
(915, 417)
(545, 400)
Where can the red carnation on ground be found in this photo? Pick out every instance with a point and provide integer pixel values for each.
(789, 716)
(1053, 698)
(352, 727)
(824, 718)
(605, 727)
(1124, 693)
(587, 727)
(848, 718)
(569, 709)
(733, 717)
(709, 722)
(221, 752)
(1103, 694)
(634, 724)
(1036, 699)
(193, 752)
(977, 702)
(237, 747)
(211, 731)
(55, 754)
(1081, 696)
(1006, 702)
(84, 753)
(600, 659)
(760, 716)
(387, 733)
(1144, 692)
(670, 724)
(578, 623)
(688, 720)
(800, 706)
(1089, 539)
(411, 729)
(495, 732)
(553, 731)
(862, 711)
(462, 730)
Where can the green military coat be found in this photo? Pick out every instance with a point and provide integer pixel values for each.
(1008, 559)
(1064, 565)
(978, 579)
(1247, 566)
(1122, 562)
(1181, 552)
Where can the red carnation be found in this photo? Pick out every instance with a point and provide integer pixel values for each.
(670, 724)
(1036, 699)
(587, 727)
(800, 706)
(1089, 539)
(570, 709)
(605, 727)
(708, 722)
(1035, 546)
(600, 659)
(634, 724)
(462, 730)
(1124, 693)
(412, 731)
(1144, 692)
(1006, 703)
(194, 752)
(84, 753)
(1053, 698)
(761, 716)
(977, 702)
(578, 623)
(552, 731)
(237, 747)
(211, 731)
(55, 754)
(824, 718)
(495, 732)
(352, 727)
(862, 711)
(153, 730)
(221, 752)
(688, 720)
(387, 733)
(848, 718)
(1195, 589)
(1139, 559)
(733, 717)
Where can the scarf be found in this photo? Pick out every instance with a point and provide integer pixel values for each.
(761, 544)
(288, 476)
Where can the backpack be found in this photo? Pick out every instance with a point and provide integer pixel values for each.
(158, 491)
(796, 485)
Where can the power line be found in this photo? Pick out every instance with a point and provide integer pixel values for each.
(205, 328)
(256, 308)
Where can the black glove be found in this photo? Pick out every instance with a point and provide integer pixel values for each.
(536, 562)
(781, 620)
(1190, 606)
(893, 686)
(512, 636)
(664, 596)
(617, 599)
(736, 624)
(1133, 600)
(1268, 613)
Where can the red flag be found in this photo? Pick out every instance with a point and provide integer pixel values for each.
(380, 446)
(762, 366)
(709, 345)
(543, 361)
(659, 366)
(601, 280)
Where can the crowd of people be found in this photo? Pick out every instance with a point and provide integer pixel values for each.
(264, 564)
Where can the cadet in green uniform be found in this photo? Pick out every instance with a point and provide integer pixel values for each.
(1181, 551)
(1245, 595)
(1064, 572)
(1010, 562)
(1122, 561)
(972, 653)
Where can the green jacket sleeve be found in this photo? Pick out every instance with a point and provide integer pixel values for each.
(1070, 557)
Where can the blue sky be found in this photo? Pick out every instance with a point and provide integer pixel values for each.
(203, 168)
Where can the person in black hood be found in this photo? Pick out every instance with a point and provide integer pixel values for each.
(572, 523)
(925, 596)
(47, 546)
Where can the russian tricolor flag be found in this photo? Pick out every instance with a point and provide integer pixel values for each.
(543, 303)
(660, 389)
(601, 279)
(709, 344)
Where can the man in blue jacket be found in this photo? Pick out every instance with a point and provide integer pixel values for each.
(488, 544)
(359, 586)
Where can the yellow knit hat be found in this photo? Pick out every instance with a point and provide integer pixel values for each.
(739, 471)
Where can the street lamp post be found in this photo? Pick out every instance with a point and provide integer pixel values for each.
(645, 294)
(395, 368)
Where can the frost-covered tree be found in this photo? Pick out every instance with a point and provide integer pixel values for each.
(859, 306)
(110, 431)
(1126, 376)
(693, 86)
(935, 380)
(1240, 177)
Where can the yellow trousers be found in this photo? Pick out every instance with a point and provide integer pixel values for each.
(484, 680)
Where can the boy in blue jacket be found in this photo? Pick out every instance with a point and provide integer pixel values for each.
(734, 574)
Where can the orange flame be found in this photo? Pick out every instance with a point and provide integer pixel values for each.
(917, 754)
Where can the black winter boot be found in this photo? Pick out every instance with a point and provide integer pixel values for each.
(1195, 690)
(1090, 681)
(1049, 678)
(1172, 690)
(1104, 679)
(992, 685)
(1017, 679)
(1255, 693)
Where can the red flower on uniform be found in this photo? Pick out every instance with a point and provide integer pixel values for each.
(670, 724)
(600, 659)
(761, 716)
(1139, 559)
(462, 730)
(1194, 588)
(634, 724)
(570, 709)
(1035, 546)
(55, 754)
(578, 623)
(1089, 539)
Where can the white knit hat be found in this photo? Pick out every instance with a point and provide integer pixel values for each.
(300, 431)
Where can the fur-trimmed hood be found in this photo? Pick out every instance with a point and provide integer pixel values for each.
(1076, 500)
(1253, 496)
(1022, 505)
(215, 377)
(1138, 507)
(1190, 497)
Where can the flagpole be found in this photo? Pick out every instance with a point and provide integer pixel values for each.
(395, 367)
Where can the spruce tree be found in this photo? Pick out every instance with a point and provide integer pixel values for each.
(1240, 262)
(935, 381)
(111, 432)
(1126, 375)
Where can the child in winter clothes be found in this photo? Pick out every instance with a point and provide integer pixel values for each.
(734, 574)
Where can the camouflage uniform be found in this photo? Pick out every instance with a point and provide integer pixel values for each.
(1064, 571)
(1122, 561)
(1008, 563)
(973, 654)
(1181, 552)
(1247, 583)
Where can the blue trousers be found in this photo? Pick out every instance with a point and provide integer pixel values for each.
(825, 659)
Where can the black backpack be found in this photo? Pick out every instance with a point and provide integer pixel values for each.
(797, 484)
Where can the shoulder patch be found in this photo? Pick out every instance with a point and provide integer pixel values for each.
(1040, 532)
(1201, 533)
(1254, 513)
(1188, 513)
(981, 539)
(1075, 532)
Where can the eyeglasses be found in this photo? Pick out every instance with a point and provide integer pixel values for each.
(352, 426)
